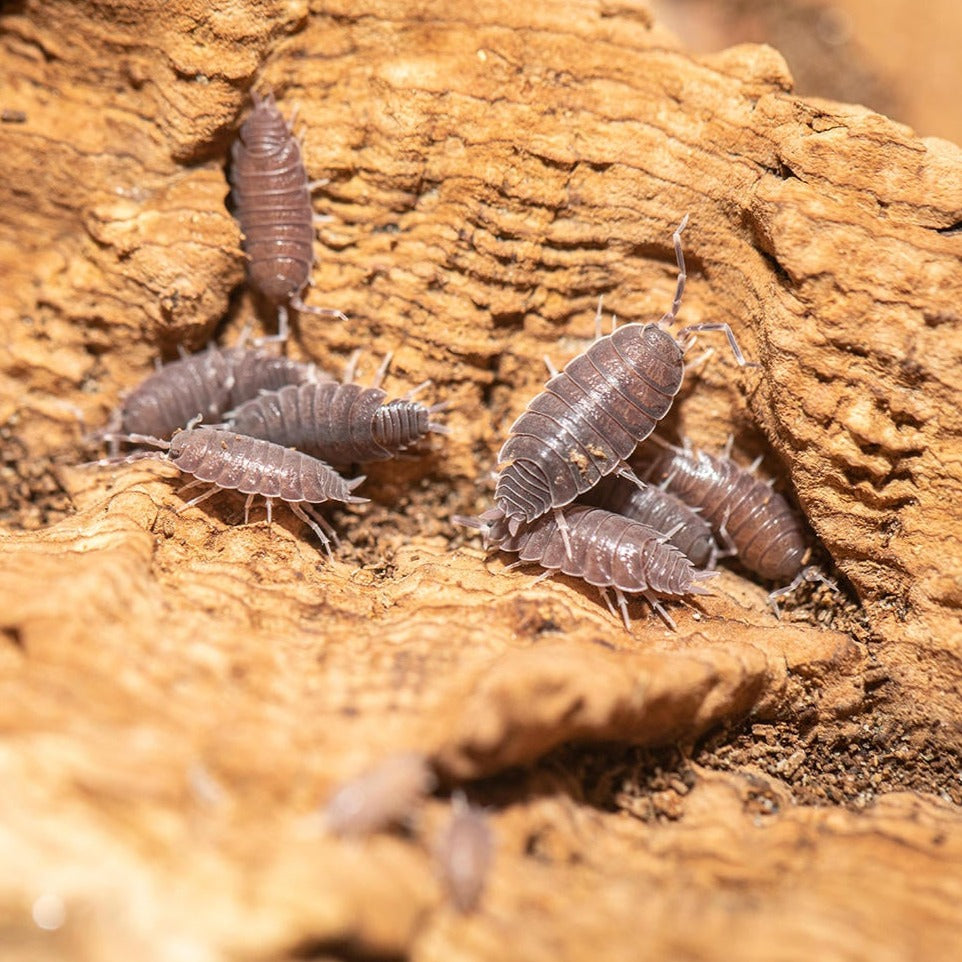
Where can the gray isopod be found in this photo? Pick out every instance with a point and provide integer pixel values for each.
(272, 200)
(464, 852)
(604, 549)
(207, 384)
(341, 423)
(682, 525)
(252, 466)
(383, 796)
(591, 416)
(746, 515)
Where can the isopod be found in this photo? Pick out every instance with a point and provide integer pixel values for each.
(252, 466)
(341, 423)
(381, 797)
(464, 851)
(756, 522)
(606, 550)
(207, 384)
(591, 416)
(272, 201)
(683, 526)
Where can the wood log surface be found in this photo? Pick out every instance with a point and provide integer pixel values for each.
(180, 692)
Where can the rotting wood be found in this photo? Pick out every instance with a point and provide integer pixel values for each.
(179, 692)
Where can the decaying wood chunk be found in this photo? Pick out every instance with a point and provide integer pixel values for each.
(179, 693)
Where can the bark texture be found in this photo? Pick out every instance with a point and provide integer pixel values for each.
(180, 692)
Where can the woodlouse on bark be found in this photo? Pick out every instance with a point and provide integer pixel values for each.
(745, 513)
(591, 416)
(340, 423)
(272, 200)
(604, 549)
(207, 384)
(381, 797)
(464, 852)
(252, 466)
(683, 526)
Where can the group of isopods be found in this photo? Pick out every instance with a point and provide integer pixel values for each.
(273, 427)
(389, 794)
(575, 493)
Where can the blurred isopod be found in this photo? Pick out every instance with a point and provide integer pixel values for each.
(464, 852)
(385, 795)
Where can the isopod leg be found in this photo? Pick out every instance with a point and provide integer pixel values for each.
(303, 308)
(549, 364)
(811, 573)
(315, 527)
(729, 334)
(381, 373)
(323, 522)
(726, 546)
(247, 508)
(198, 499)
(283, 329)
(659, 609)
(623, 607)
(350, 369)
(417, 389)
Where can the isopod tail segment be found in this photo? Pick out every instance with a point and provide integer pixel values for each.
(385, 426)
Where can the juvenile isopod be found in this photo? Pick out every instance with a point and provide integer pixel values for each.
(381, 797)
(341, 423)
(746, 515)
(683, 526)
(272, 201)
(464, 852)
(207, 384)
(606, 550)
(591, 416)
(252, 466)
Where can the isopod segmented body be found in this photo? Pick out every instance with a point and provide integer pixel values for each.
(591, 416)
(744, 512)
(606, 550)
(588, 420)
(272, 201)
(341, 423)
(683, 526)
(206, 384)
(252, 466)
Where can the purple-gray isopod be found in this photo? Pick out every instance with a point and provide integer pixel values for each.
(592, 415)
(341, 423)
(606, 550)
(745, 513)
(384, 795)
(252, 466)
(464, 851)
(683, 526)
(207, 384)
(272, 201)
